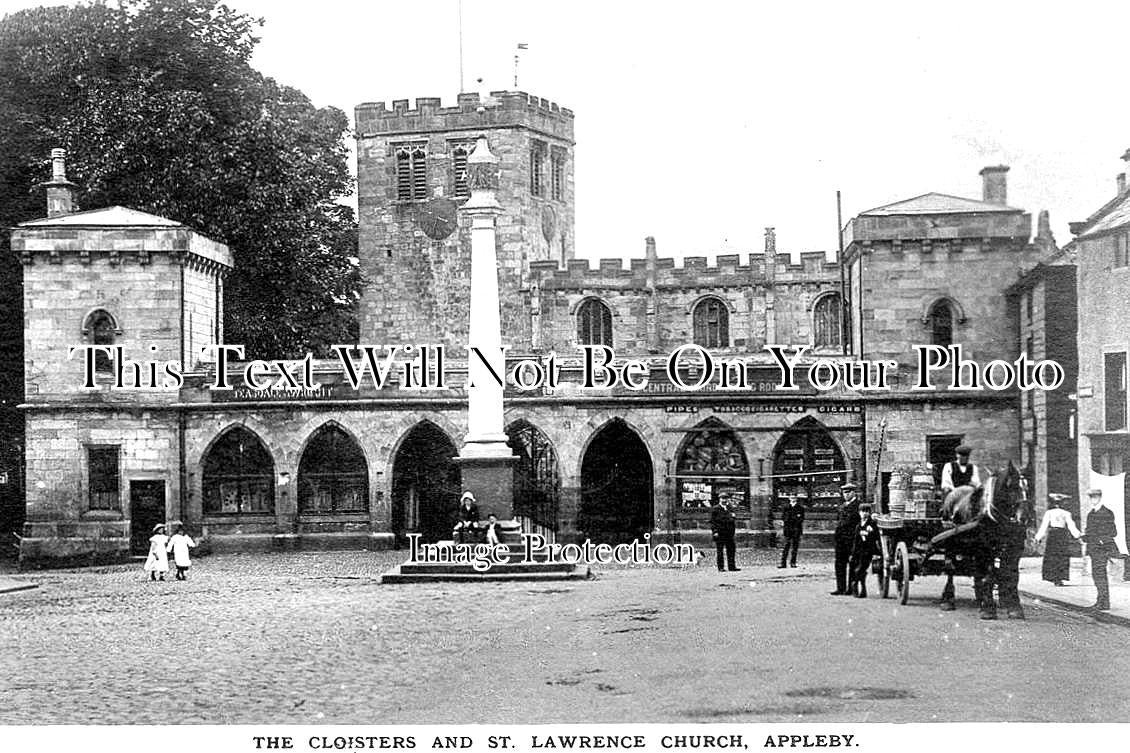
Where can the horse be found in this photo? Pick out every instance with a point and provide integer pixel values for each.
(990, 526)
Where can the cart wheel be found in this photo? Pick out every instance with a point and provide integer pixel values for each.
(902, 559)
(885, 569)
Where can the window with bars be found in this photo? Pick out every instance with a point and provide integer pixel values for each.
(460, 187)
(103, 477)
(1114, 390)
(594, 323)
(557, 174)
(826, 327)
(711, 324)
(537, 168)
(411, 172)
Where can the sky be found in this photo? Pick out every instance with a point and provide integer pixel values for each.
(704, 123)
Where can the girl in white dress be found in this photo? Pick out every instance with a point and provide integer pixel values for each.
(179, 545)
(157, 563)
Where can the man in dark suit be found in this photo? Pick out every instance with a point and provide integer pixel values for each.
(793, 516)
(865, 545)
(1099, 536)
(846, 522)
(722, 528)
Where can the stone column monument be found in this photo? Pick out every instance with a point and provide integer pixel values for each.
(485, 459)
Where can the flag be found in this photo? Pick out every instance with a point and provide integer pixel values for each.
(523, 46)
(1114, 500)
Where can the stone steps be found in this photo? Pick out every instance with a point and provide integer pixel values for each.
(417, 572)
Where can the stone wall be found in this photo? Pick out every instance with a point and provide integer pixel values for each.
(418, 287)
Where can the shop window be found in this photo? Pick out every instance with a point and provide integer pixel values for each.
(239, 475)
(712, 466)
(333, 476)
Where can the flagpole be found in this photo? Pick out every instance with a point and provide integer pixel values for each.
(460, 3)
(521, 46)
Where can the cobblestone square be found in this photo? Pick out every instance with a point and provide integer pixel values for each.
(313, 638)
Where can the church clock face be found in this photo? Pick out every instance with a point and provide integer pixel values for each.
(437, 218)
(548, 222)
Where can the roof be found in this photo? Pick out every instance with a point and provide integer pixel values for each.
(108, 217)
(938, 203)
(1117, 215)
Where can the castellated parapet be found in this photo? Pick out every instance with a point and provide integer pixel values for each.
(409, 159)
(653, 301)
(501, 109)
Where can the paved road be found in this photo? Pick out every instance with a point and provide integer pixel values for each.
(311, 638)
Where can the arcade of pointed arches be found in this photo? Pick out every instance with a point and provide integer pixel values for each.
(616, 475)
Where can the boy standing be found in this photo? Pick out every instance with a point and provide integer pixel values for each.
(865, 545)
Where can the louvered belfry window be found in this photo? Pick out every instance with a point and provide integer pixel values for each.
(411, 172)
(537, 168)
(459, 170)
(712, 324)
(557, 174)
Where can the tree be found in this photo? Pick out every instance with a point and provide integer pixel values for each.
(160, 110)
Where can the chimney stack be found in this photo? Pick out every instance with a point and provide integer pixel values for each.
(995, 184)
(60, 191)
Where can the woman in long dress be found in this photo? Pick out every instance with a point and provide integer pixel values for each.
(157, 563)
(1060, 531)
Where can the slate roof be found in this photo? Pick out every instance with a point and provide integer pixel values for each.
(108, 217)
(937, 203)
(1116, 216)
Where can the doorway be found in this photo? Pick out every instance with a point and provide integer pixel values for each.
(146, 509)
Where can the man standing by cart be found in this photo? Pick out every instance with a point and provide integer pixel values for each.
(960, 472)
(846, 522)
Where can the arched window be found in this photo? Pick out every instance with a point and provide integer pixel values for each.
(939, 322)
(594, 323)
(239, 475)
(332, 475)
(826, 327)
(711, 323)
(101, 329)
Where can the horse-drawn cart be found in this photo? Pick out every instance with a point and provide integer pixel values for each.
(910, 548)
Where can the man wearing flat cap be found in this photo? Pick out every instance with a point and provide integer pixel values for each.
(960, 472)
(847, 521)
(1099, 534)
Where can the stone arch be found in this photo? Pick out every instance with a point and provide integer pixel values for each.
(537, 476)
(425, 482)
(333, 472)
(929, 302)
(690, 307)
(810, 462)
(237, 473)
(617, 485)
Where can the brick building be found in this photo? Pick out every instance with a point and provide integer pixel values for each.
(338, 466)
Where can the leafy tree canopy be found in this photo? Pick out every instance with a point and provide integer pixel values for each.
(159, 110)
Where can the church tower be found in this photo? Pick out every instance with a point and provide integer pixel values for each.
(415, 243)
